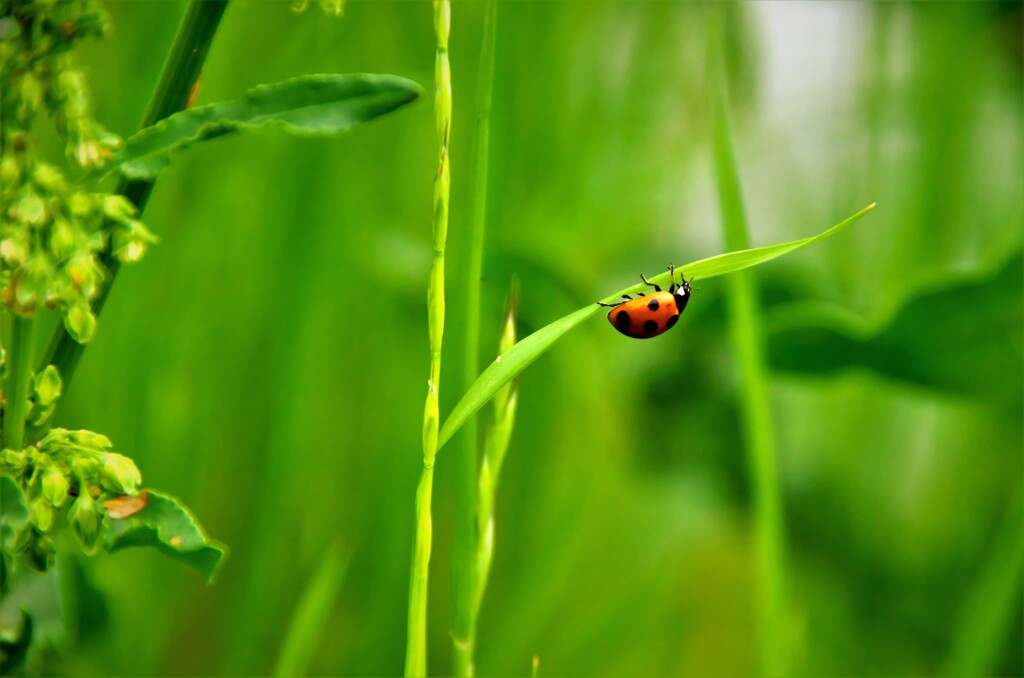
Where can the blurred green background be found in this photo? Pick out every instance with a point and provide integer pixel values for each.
(267, 361)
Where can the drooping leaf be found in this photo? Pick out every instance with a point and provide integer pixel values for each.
(311, 105)
(517, 358)
(169, 527)
(963, 337)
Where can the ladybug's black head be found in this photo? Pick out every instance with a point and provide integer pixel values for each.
(681, 294)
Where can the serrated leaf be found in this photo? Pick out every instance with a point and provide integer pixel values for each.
(312, 105)
(169, 527)
(517, 358)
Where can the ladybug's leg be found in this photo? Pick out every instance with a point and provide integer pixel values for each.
(626, 297)
(672, 278)
(644, 278)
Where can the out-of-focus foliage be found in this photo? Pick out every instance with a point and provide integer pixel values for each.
(977, 326)
(266, 360)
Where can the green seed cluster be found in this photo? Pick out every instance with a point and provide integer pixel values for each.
(75, 470)
(51, 232)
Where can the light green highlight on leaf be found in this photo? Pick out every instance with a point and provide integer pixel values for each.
(310, 105)
(165, 524)
(519, 357)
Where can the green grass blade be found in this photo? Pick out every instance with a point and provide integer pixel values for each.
(465, 536)
(311, 105)
(310, 617)
(988, 613)
(736, 261)
(744, 312)
(519, 357)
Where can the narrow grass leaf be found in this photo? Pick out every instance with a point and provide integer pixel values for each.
(169, 527)
(519, 357)
(310, 618)
(310, 105)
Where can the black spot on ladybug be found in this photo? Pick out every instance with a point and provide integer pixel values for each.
(671, 322)
(650, 327)
(653, 305)
(622, 320)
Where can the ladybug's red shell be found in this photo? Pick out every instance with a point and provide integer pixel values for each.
(650, 315)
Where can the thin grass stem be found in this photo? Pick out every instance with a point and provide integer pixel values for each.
(466, 534)
(416, 640)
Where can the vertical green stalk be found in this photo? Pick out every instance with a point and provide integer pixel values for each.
(745, 322)
(16, 388)
(416, 642)
(179, 76)
(464, 572)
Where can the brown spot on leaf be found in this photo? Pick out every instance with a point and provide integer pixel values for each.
(194, 92)
(175, 541)
(124, 506)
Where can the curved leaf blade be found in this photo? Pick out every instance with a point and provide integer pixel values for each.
(517, 358)
(169, 527)
(974, 322)
(310, 105)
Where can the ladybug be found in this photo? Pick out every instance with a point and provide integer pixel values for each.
(649, 315)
